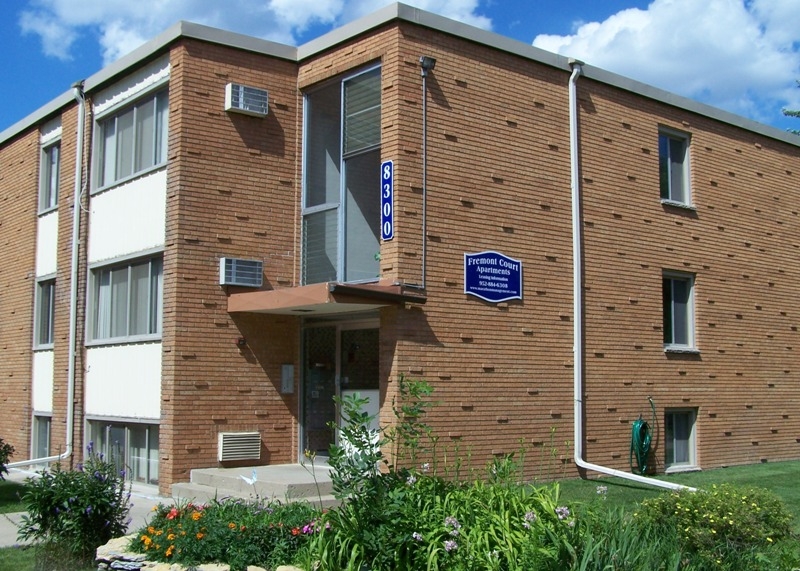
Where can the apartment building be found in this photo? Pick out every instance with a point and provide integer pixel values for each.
(209, 239)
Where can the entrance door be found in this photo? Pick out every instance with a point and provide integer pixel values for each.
(339, 360)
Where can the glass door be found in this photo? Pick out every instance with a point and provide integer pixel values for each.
(339, 360)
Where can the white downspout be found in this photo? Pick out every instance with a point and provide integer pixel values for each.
(577, 296)
(77, 90)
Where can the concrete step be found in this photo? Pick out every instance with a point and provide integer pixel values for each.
(200, 493)
(281, 482)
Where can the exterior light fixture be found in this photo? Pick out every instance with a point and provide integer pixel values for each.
(427, 63)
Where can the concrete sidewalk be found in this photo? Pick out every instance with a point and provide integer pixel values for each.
(143, 499)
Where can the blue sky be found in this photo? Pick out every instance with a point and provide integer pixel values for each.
(740, 55)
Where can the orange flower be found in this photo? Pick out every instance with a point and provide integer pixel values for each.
(295, 531)
(169, 551)
(151, 530)
(242, 528)
(200, 535)
(231, 525)
(196, 516)
(146, 540)
(171, 537)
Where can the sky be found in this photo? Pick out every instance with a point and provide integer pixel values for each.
(740, 55)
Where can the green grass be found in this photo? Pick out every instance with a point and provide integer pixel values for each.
(10, 493)
(32, 558)
(779, 477)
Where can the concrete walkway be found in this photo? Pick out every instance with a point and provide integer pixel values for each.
(143, 499)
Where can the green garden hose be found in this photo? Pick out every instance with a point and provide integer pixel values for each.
(640, 441)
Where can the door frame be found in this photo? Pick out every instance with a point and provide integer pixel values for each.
(340, 324)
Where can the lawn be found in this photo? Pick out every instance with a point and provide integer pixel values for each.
(10, 493)
(779, 477)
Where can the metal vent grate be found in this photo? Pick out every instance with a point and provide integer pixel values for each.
(238, 272)
(239, 446)
(247, 100)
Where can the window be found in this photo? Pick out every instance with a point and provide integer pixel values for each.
(678, 314)
(128, 300)
(341, 203)
(679, 439)
(133, 447)
(673, 168)
(133, 140)
(48, 177)
(45, 311)
(41, 436)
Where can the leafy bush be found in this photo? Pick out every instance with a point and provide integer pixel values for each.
(6, 451)
(726, 527)
(231, 531)
(76, 511)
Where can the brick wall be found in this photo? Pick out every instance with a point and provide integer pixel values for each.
(231, 192)
(19, 184)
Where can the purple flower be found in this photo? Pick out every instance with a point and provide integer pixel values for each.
(562, 512)
(416, 536)
(90, 447)
(528, 517)
(450, 545)
(88, 510)
(411, 480)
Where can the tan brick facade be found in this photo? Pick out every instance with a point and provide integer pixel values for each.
(498, 178)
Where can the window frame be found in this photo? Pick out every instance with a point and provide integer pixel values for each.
(155, 313)
(689, 318)
(158, 95)
(40, 419)
(121, 455)
(691, 441)
(329, 206)
(48, 196)
(667, 191)
(43, 284)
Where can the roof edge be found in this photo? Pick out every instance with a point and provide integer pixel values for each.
(392, 12)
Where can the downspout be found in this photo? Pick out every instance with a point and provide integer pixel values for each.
(577, 296)
(424, 173)
(77, 90)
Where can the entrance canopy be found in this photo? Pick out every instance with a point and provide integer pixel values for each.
(324, 298)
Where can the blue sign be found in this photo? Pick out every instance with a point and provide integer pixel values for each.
(387, 200)
(492, 276)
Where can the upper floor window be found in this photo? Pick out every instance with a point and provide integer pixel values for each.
(45, 312)
(673, 167)
(48, 177)
(127, 300)
(677, 296)
(133, 140)
(341, 202)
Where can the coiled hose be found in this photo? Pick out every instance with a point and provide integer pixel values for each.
(640, 441)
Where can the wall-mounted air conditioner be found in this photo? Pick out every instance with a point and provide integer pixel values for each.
(238, 272)
(248, 100)
(238, 446)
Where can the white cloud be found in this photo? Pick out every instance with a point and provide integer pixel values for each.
(741, 56)
(122, 25)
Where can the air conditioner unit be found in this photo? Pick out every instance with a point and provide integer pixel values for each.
(248, 100)
(233, 446)
(238, 272)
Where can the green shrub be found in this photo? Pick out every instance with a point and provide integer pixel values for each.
(76, 511)
(725, 527)
(615, 540)
(235, 532)
(6, 451)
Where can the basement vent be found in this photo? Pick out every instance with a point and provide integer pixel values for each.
(239, 446)
(247, 100)
(238, 272)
